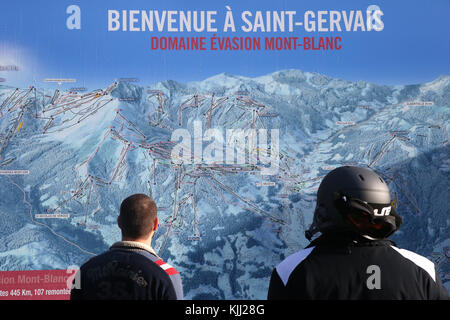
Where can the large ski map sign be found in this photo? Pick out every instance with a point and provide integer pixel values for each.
(232, 161)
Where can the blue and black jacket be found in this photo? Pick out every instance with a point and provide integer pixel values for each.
(348, 266)
(127, 271)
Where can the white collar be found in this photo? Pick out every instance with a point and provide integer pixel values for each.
(134, 244)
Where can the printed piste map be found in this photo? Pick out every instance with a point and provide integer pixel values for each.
(69, 156)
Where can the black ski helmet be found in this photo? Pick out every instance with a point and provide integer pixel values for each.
(356, 199)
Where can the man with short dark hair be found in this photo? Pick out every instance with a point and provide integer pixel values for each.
(137, 217)
(130, 269)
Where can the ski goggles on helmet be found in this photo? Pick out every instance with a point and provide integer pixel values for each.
(370, 219)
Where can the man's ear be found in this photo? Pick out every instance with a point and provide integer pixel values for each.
(155, 224)
(118, 222)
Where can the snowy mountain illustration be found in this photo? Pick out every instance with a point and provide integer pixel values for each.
(68, 159)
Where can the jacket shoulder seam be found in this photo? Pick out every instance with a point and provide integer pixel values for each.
(418, 260)
(288, 265)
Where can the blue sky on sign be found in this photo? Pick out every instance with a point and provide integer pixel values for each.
(414, 46)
